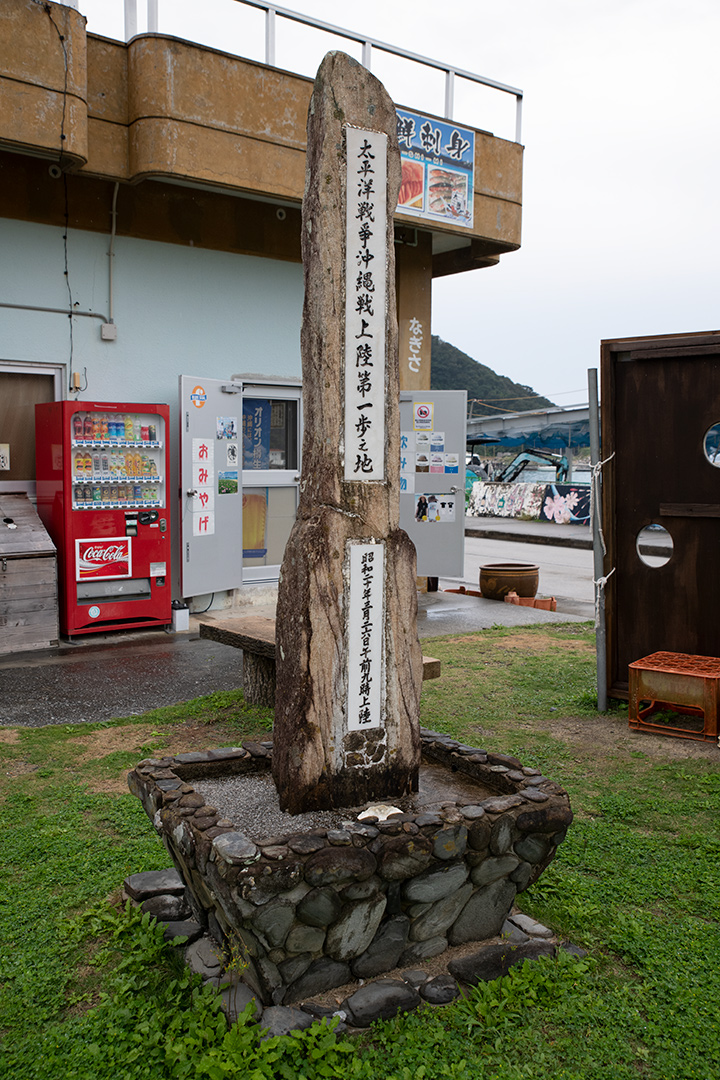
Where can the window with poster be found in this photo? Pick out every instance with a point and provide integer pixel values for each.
(271, 434)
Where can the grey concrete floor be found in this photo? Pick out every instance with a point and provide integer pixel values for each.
(120, 676)
(565, 572)
(101, 677)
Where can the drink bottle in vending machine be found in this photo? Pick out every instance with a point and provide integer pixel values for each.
(102, 481)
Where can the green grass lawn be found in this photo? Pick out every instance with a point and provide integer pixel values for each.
(89, 990)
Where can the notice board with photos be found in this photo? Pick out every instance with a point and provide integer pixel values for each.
(432, 478)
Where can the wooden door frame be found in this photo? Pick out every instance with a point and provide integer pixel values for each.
(28, 367)
(612, 352)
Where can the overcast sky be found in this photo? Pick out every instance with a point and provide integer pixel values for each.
(621, 219)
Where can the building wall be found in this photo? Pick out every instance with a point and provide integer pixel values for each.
(202, 156)
(178, 310)
(164, 108)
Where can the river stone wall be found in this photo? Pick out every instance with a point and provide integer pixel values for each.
(316, 909)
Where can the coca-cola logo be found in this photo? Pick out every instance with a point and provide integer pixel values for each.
(111, 553)
(109, 558)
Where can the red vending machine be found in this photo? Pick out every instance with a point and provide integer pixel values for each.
(102, 476)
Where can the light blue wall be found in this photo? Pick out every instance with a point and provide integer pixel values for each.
(178, 311)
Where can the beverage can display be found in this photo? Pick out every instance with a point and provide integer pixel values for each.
(77, 426)
(145, 433)
(87, 427)
(114, 493)
(87, 496)
(137, 493)
(105, 495)
(97, 494)
(153, 467)
(128, 428)
(77, 493)
(152, 433)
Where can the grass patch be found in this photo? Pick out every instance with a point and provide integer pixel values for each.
(89, 990)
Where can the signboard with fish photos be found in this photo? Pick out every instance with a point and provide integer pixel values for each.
(438, 162)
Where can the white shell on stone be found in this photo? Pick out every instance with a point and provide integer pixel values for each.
(381, 811)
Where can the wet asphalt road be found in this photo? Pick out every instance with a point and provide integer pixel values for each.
(100, 682)
(102, 677)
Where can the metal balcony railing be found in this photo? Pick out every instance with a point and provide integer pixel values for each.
(273, 13)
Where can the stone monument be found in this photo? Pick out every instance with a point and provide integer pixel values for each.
(349, 665)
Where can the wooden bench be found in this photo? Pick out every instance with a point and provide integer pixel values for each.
(255, 635)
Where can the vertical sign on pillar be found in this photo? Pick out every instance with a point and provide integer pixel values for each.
(365, 315)
(365, 637)
(414, 291)
(203, 465)
(365, 272)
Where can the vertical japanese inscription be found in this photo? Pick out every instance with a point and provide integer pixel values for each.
(365, 637)
(365, 273)
(203, 479)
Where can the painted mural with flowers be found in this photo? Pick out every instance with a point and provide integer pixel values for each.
(562, 504)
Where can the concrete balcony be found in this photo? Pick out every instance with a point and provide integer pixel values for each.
(165, 109)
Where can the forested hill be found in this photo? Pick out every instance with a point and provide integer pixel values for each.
(452, 369)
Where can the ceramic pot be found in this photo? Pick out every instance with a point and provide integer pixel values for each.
(498, 579)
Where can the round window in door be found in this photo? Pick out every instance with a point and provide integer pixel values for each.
(654, 545)
(711, 445)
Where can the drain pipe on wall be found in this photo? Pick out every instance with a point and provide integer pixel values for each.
(109, 331)
(598, 541)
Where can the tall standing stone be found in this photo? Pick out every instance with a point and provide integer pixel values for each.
(349, 666)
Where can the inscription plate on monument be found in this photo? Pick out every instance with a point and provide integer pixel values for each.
(366, 615)
(365, 274)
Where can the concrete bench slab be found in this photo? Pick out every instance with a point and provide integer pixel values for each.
(255, 635)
